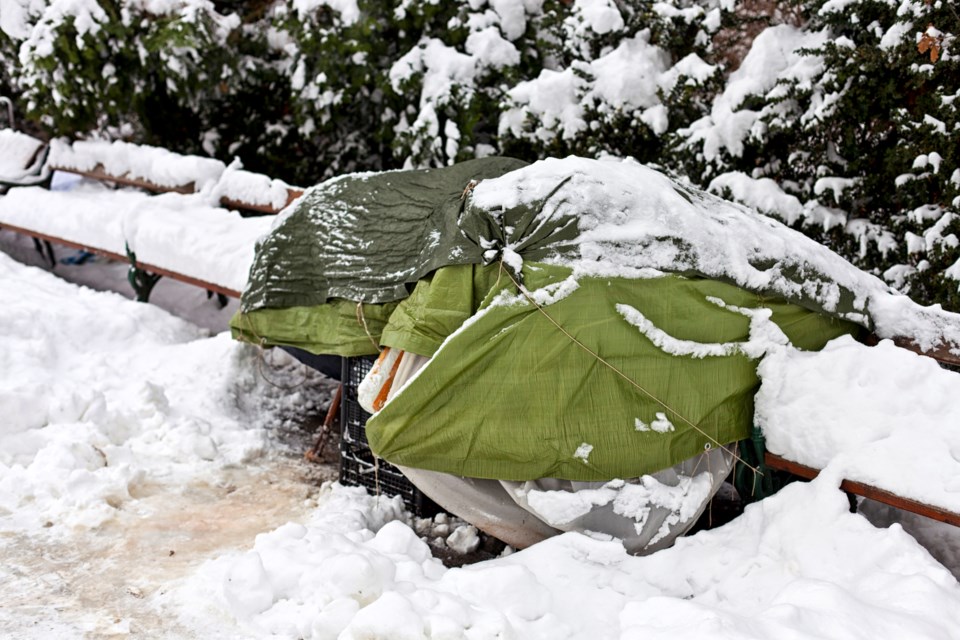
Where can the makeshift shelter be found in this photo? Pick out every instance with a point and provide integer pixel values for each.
(584, 320)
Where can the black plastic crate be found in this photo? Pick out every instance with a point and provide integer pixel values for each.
(359, 468)
(353, 417)
(354, 370)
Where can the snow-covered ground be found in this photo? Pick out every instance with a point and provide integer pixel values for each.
(146, 490)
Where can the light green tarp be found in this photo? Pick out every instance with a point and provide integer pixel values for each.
(511, 397)
(508, 396)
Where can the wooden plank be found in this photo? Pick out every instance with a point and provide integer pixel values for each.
(99, 173)
(292, 194)
(940, 353)
(64, 242)
(209, 286)
(867, 491)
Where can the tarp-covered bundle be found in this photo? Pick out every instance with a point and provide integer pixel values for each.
(586, 320)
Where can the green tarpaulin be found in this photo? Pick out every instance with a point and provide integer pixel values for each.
(512, 397)
(517, 391)
(368, 237)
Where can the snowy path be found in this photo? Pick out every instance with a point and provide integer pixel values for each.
(133, 448)
(112, 580)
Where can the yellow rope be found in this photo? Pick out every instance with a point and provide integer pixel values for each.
(362, 319)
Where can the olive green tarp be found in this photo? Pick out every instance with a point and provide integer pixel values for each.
(509, 395)
(368, 237)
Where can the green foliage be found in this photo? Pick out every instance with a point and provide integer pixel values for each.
(672, 39)
(889, 111)
(859, 128)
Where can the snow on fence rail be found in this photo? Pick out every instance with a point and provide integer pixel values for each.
(159, 170)
(21, 158)
(881, 421)
(181, 233)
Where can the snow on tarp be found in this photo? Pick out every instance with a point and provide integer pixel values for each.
(797, 565)
(879, 415)
(365, 237)
(18, 155)
(347, 239)
(139, 162)
(632, 218)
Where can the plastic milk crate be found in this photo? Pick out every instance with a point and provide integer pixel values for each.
(353, 416)
(357, 464)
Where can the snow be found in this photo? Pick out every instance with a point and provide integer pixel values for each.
(153, 164)
(632, 500)
(633, 219)
(797, 565)
(661, 424)
(246, 187)
(95, 217)
(180, 233)
(489, 46)
(171, 170)
(599, 16)
(347, 10)
(18, 153)
(775, 55)
(15, 17)
(763, 194)
(442, 68)
(583, 452)
(39, 34)
(103, 398)
(464, 539)
(184, 235)
(879, 415)
(626, 78)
